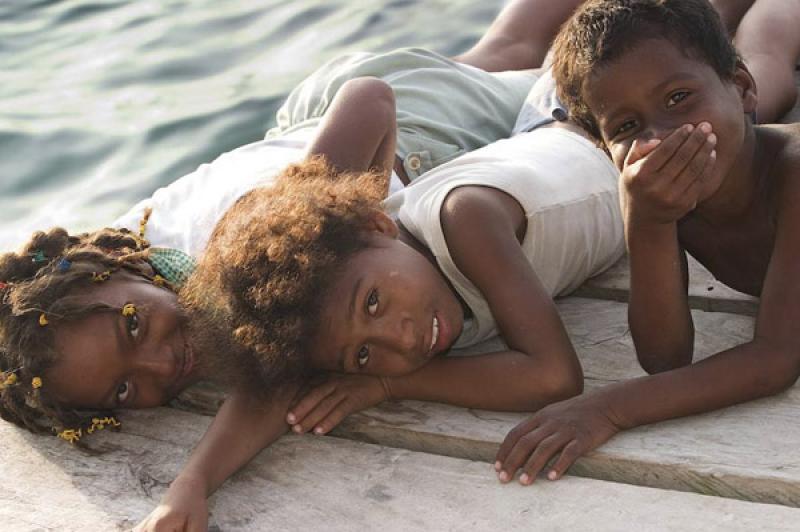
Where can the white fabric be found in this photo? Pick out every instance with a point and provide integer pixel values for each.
(186, 211)
(568, 190)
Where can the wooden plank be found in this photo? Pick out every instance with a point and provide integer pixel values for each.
(746, 452)
(705, 292)
(312, 483)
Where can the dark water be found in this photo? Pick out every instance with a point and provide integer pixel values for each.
(102, 102)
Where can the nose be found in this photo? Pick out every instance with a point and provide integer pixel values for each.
(395, 333)
(659, 128)
(156, 363)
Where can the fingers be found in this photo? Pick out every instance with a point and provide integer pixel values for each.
(572, 451)
(308, 402)
(543, 453)
(321, 410)
(640, 150)
(667, 148)
(522, 451)
(510, 442)
(689, 159)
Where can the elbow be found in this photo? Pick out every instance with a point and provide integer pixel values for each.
(564, 382)
(371, 92)
(784, 372)
(664, 362)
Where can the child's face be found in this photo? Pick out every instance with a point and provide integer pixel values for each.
(388, 313)
(653, 89)
(108, 360)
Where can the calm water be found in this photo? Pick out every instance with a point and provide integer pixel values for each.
(103, 102)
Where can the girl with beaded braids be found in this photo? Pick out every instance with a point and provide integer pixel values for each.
(47, 286)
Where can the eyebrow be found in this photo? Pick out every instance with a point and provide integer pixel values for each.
(350, 316)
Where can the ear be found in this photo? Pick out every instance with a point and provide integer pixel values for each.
(746, 86)
(381, 222)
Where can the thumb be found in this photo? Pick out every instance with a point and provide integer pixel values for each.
(641, 149)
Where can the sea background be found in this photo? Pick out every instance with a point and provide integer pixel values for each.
(103, 102)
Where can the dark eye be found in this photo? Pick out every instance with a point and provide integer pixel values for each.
(363, 356)
(122, 392)
(624, 128)
(676, 97)
(133, 325)
(372, 302)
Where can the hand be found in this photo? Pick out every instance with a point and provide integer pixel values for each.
(661, 179)
(339, 395)
(184, 508)
(571, 428)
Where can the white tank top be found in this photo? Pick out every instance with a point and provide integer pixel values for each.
(568, 190)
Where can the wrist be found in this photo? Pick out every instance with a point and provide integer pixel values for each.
(387, 388)
(191, 480)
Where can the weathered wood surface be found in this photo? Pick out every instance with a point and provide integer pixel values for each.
(705, 292)
(315, 483)
(747, 451)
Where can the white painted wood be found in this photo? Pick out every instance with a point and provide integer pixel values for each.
(322, 483)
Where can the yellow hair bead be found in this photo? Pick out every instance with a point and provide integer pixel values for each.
(36, 383)
(43, 320)
(99, 277)
(99, 423)
(159, 281)
(129, 310)
(70, 435)
(7, 379)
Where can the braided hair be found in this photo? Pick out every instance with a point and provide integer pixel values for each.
(41, 285)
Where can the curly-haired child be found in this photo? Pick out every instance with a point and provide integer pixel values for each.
(660, 84)
(317, 279)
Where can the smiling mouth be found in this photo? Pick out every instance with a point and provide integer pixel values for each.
(434, 335)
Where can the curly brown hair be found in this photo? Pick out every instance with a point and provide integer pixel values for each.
(45, 278)
(273, 256)
(601, 31)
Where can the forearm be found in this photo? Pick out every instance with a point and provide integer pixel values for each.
(240, 430)
(744, 373)
(507, 380)
(658, 309)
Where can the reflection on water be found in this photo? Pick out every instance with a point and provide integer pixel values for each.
(102, 102)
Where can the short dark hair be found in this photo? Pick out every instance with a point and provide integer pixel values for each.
(603, 30)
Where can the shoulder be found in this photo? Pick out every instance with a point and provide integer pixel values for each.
(480, 206)
(480, 220)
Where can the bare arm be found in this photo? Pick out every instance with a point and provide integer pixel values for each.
(658, 306)
(240, 430)
(766, 365)
(520, 36)
(481, 226)
(359, 131)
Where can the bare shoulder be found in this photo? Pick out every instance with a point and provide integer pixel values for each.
(478, 209)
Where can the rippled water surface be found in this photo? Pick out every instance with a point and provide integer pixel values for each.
(103, 102)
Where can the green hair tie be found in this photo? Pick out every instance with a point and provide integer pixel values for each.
(172, 264)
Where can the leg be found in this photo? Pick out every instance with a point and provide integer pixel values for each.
(731, 12)
(769, 42)
(520, 36)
